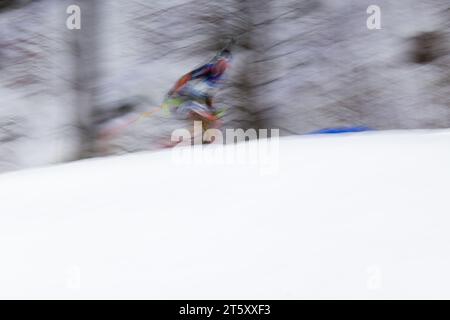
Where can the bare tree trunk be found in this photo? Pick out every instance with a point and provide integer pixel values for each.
(253, 73)
(85, 44)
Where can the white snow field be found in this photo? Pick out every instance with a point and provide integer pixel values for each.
(347, 216)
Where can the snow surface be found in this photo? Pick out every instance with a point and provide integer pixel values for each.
(350, 216)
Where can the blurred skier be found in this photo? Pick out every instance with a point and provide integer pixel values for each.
(192, 95)
(190, 98)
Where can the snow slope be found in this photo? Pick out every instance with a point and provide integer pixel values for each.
(350, 216)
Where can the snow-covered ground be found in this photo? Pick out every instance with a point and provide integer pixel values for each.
(349, 216)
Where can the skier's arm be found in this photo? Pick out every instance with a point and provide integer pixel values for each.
(195, 74)
(203, 71)
(180, 83)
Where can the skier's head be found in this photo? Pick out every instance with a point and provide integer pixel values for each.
(225, 54)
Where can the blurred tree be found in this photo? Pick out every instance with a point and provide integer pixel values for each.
(85, 51)
(13, 4)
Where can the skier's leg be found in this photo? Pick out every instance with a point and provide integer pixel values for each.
(201, 111)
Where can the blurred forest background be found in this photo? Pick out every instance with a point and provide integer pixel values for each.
(299, 65)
